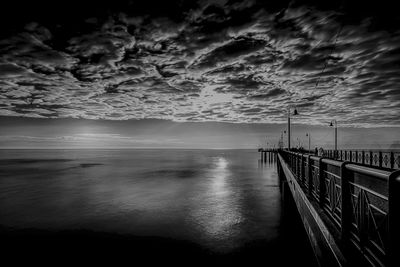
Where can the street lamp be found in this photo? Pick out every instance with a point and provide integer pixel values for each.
(334, 124)
(288, 121)
(309, 142)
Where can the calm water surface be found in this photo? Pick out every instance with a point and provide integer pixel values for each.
(219, 199)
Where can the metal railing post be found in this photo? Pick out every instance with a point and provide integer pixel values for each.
(380, 159)
(392, 160)
(321, 184)
(371, 157)
(298, 167)
(293, 165)
(309, 177)
(346, 206)
(394, 218)
(302, 169)
(363, 157)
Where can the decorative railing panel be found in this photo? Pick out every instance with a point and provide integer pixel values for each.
(315, 181)
(333, 196)
(307, 172)
(388, 160)
(360, 157)
(369, 229)
(367, 158)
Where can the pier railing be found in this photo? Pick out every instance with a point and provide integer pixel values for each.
(380, 159)
(360, 204)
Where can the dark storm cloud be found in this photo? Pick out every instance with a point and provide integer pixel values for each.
(240, 61)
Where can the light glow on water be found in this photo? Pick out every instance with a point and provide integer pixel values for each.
(219, 213)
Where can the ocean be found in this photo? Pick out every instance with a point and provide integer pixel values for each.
(222, 202)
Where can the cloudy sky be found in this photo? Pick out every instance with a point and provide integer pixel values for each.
(220, 67)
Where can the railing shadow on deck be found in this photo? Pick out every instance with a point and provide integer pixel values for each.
(360, 205)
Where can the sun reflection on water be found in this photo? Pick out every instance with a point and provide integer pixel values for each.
(219, 174)
(219, 214)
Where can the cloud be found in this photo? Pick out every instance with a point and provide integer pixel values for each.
(11, 70)
(269, 94)
(238, 61)
(232, 50)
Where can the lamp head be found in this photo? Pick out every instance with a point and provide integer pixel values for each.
(306, 134)
(295, 112)
(331, 124)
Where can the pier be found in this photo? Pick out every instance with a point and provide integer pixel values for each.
(349, 209)
(268, 155)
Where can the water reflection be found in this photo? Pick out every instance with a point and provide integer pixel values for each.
(219, 174)
(217, 214)
(267, 161)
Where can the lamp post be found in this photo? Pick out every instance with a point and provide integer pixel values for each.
(283, 139)
(334, 124)
(288, 126)
(309, 142)
(281, 142)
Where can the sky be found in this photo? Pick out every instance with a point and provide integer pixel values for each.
(198, 74)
